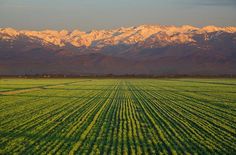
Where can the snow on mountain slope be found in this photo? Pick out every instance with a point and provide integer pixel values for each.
(141, 50)
(163, 35)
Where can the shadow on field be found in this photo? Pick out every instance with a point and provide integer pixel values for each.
(12, 134)
(204, 82)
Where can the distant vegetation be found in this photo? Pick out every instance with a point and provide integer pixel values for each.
(116, 76)
(117, 116)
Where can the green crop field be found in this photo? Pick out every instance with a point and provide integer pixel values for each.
(117, 116)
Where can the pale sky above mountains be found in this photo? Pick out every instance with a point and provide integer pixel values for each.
(108, 14)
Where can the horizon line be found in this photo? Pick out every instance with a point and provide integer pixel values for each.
(134, 26)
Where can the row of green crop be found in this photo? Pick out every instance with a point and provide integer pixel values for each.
(204, 120)
(114, 116)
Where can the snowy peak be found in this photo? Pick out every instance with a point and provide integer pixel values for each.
(8, 33)
(141, 50)
(122, 36)
(209, 29)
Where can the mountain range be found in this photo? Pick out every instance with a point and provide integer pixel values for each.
(140, 50)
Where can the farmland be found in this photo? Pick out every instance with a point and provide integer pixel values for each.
(117, 116)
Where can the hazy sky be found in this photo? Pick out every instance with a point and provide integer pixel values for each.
(107, 14)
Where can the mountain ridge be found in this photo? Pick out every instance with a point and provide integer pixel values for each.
(101, 38)
(144, 49)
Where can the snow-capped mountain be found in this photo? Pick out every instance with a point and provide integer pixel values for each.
(145, 49)
(123, 36)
